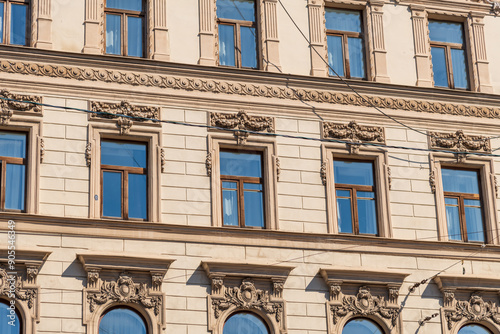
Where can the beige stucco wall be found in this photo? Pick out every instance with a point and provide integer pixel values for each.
(67, 25)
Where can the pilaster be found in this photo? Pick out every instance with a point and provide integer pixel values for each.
(207, 33)
(379, 51)
(158, 37)
(421, 40)
(94, 33)
(481, 64)
(271, 42)
(317, 37)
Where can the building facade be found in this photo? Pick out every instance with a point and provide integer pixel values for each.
(249, 166)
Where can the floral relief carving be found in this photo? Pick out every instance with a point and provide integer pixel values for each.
(163, 160)
(432, 181)
(124, 108)
(10, 102)
(88, 154)
(323, 172)
(242, 121)
(459, 141)
(353, 132)
(474, 310)
(208, 163)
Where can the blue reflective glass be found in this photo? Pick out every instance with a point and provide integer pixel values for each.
(230, 204)
(226, 45)
(245, 323)
(243, 10)
(113, 34)
(344, 20)
(122, 321)
(344, 211)
(134, 36)
(460, 181)
(448, 32)
(12, 144)
(1, 21)
(367, 214)
(240, 164)
(121, 153)
(248, 47)
(474, 220)
(10, 322)
(473, 329)
(254, 208)
(229, 185)
(453, 218)
(361, 326)
(137, 196)
(125, 4)
(252, 186)
(335, 55)
(18, 24)
(112, 194)
(15, 187)
(439, 67)
(459, 64)
(356, 59)
(353, 172)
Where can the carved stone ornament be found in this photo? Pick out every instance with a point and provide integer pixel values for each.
(163, 160)
(354, 134)
(208, 163)
(459, 142)
(88, 154)
(323, 172)
(474, 310)
(42, 150)
(495, 6)
(242, 121)
(364, 304)
(278, 169)
(10, 102)
(432, 181)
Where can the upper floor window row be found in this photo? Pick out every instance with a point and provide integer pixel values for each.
(125, 27)
(14, 22)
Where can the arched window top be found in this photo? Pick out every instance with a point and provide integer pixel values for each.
(9, 317)
(361, 326)
(245, 322)
(122, 320)
(473, 329)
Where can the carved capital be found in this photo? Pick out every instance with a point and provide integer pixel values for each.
(393, 293)
(278, 285)
(31, 274)
(354, 134)
(93, 278)
(157, 280)
(335, 290)
(448, 297)
(217, 285)
(459, 142)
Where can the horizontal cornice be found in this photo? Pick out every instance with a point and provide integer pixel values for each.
(124, 261)
(246, 269)
(239, 82)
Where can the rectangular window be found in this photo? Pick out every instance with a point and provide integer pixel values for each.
(464, 214)
(449, 60)
(13, 148)
(125, 27)
(14, 22)
(124, 180)
(346, 54)
(242, 188)
(237, 33)
(355, 194)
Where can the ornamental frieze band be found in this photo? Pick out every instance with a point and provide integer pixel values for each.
(460, 142)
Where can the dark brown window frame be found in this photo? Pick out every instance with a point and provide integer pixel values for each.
(124, 27)
(124, 171)
(3, 175)
(345, 45)
(240, 181)
(7, 20)
(237, 37)
(353, 189)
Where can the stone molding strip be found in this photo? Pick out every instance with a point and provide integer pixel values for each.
(227, 87)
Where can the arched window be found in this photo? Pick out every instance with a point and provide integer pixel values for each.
(245, 322)
(11, 322)
(122, 320)
(473, 329)
(361, 326)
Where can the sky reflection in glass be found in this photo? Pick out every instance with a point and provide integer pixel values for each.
(230, 203)
(1, 21)
(112, 194)
(473, 329)
(122, 321)
(18, 24)
(344, 20)
(458, 62)
(12, 144)
(353, 172)
(15, 187)
(344, 211)
(135, 5)
(243, 10)
(121, 153)
(134, 36)
(460, 181)
(439, 67)
(361, 326)
(356, 59)
(248, 47)
(367, 215)
(448, 32)
(5, 328)
(113, 34)
(245, 323)
(254, 202)
(335, 55)
(474, 220)
(453, 218)
(137, 196)
(240, 164)
(226, 45)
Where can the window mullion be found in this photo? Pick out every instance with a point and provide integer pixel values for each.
(7, 19)
(463, 224)
(449, 65)
(241, 202)
(3, 183)
(355, 219)
(123, 33)
(125, 194)
(347, 63)
(237, 43)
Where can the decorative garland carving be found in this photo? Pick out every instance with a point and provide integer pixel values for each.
(124, 108)
(28, 295)
(389, 177)
(353, 132)
(278, 169)
(242, 121)
(226, 87)
(474, 310)
(459, 141)
(9, 103)
(42, 150)
(364, 304)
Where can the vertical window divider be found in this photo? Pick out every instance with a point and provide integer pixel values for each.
(125, 194)
(4, 181)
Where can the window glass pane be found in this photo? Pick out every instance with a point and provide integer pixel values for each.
(243, 10)
(343, 193)
(439, 67)
(453, 219)
(353, 172)
(111, 194)
(449, 32)
(230, 206)
(5, 327)
(240, 164)
(367, 215)
(344, 214)
(474, 222)
(248, 47)
(125, 4)
(252, 186)
(356, 58)
(18, 24)
(1, 21)
(121, 153)
(137, 196)
(345, 20)
(15, 187)
(12, 144)
(473, 329)
(123, 321)
(229, 185)
(245, 323)
(113, 34)
(134, 36)
(226, 45)
(254, 208)
(458, 62)
(335, 55)
(361, 326)
(460, 181)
